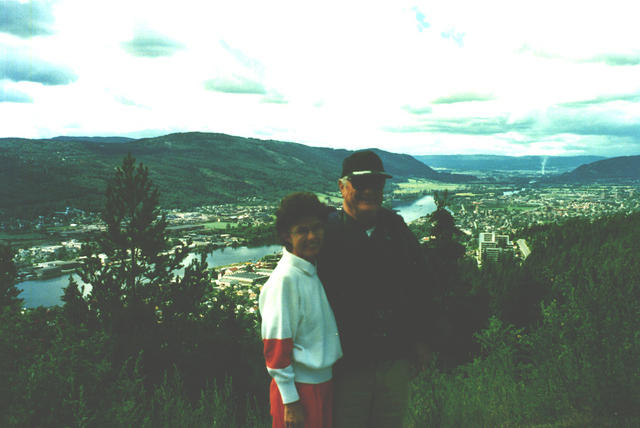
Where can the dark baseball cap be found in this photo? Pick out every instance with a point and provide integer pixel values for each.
(363, 163)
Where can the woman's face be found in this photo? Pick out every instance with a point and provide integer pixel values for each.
(306, 237)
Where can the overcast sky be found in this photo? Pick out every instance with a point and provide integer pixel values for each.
(435, 77)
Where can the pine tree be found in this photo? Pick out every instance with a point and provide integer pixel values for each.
(8, 292)
(461, 312)
(75, 309)
(133, 269)
(443, 228)
(130, 262)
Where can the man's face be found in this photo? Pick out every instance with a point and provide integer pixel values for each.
(306, 237)
(362, 196)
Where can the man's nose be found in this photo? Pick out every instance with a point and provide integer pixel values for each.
(313, 233)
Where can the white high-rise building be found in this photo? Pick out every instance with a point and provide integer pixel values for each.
(492, 246)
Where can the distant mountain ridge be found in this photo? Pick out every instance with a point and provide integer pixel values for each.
(541, 164)
(189, 169)
(621, 168)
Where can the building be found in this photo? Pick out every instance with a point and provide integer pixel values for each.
(242, 278)
(524, 248)
(493, 247)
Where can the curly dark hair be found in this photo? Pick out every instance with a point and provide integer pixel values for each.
(295, 207)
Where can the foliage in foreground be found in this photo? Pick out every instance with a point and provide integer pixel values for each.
(573, 362)
(144, 347)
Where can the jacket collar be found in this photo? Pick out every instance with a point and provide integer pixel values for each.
(298, 262)
(352, 223)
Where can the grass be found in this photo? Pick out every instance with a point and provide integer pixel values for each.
(220, 225)
(27, 240)
(22, 236)
(419, 186)
(522, 207)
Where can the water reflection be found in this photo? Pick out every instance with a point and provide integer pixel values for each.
(416, 209)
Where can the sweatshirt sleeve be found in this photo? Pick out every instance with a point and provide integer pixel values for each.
(280, 315)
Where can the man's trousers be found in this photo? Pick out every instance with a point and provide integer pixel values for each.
(374, 395)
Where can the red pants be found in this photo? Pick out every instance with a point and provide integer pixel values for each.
(317, 401)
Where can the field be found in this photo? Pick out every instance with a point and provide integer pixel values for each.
(24, 240)
(218, 225)
(412, 186)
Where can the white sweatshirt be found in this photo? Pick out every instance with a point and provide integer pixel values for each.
(299, 331)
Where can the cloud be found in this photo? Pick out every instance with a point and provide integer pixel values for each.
(466, 126)
(274, 98)
(242, 58)
(244, 76)
(454, 35)
(556, 122)
(597, 123)
(418, 110)
(9, 95)
(604, 128)
(128, 102)
(612, 59)
(235, 85)
(19, 66)
(617, 59)
(421, 20)
(25, 19)
(527, 49)
(463, 97)
(633, 98)
(147, 43)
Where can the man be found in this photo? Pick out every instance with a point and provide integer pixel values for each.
(373, 270)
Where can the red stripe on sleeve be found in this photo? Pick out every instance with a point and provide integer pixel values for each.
(277, 352)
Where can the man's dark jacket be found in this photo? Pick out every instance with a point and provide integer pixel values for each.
(377, 286)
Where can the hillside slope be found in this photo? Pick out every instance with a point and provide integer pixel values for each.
(622, 168)
(189, 169)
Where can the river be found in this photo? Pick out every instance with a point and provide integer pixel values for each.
(47, 292)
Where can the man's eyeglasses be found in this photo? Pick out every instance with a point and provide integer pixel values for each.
(367, 182)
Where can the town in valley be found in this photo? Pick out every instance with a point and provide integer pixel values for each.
(490, 217)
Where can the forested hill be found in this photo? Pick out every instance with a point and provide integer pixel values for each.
(189, 168)
(609, 170)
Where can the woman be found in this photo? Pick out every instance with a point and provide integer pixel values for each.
(299, 331)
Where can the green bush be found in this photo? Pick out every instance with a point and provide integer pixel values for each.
(576, 362)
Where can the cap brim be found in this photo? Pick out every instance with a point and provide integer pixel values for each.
(370, 172)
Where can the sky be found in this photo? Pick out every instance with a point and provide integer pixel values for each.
(540, 77)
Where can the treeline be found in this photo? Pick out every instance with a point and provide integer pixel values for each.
(553, 341)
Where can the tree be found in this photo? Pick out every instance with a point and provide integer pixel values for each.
(151, 308)
(137, 294)
(75, 309)
(460, 311)
(443, 226)
(130, 261)
(8, 292)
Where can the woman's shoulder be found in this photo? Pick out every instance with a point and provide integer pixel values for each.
(283, 276)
